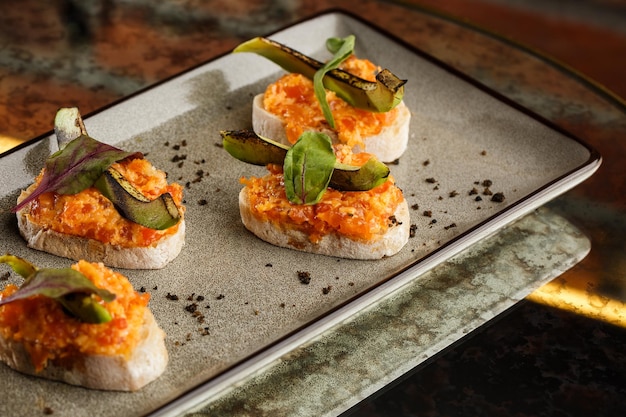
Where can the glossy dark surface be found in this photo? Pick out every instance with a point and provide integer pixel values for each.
(560, 352)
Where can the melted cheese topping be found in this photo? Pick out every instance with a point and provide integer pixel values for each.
(47, 333)
(90, 215)
(292, 98)
(358, 215)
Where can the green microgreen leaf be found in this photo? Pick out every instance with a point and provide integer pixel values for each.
(76, 167)
(308, 167)
(65, 285)
(342, 48)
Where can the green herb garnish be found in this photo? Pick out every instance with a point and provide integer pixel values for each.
(65, 285)
(342, 48)
(76, 167)
(307, 168)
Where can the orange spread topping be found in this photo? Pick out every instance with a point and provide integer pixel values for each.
(292, 98)
(359, 215)
(91, 215)
(48, 333)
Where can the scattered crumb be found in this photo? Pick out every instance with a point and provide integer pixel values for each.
(498, 197)
(304, 277)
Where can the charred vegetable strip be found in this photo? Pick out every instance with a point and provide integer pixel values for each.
(379, 96)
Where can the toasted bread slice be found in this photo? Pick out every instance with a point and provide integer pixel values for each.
(333, 244)
(116, 373)
(122, 352)
(388, 145)
(155, 256)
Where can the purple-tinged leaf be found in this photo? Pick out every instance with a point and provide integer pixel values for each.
(76, 167)
(56, 283)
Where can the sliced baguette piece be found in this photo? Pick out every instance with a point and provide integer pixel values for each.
(156, 256)
(332, 244)
(116, 373)
(388, 145)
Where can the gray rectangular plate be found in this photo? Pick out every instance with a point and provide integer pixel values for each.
(255, 308)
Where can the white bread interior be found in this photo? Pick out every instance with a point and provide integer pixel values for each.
(332, 244)
(117, 373)
(77, 248)
(388, 145)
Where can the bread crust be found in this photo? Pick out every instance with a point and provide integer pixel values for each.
(332, 244)
(117, 373)
(77, 248)
(388, 145)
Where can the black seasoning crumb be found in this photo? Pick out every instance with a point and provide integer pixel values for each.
(478, 198)
(351, 284)
(191, 308)
(326, 290)
(483, 153)
(412, 230)
(167, 143)
(142, 289)
(176, 147)
(427, 213)
(487, 183)
(48, 411)
(498, 197)
(269, 265)
(393, 221)
(431, 180)
(155, 288)
(200, 298)
(172, 297)
(453, 194)
(184, 142)
(202, 202)
(415, 206)
(220, 297)
(433, 221)
(450, 226)
(5, 276)
(282, 305)
(304, 277)
(426, 162)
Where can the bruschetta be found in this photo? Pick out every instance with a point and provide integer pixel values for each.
(365, 104)
(357, 212)
(83, 325)
(95, 202)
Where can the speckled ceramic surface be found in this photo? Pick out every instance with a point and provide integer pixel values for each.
(255, 308)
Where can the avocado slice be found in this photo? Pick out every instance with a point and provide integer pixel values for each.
(160, 213)
(379, 96)
(247, 146)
